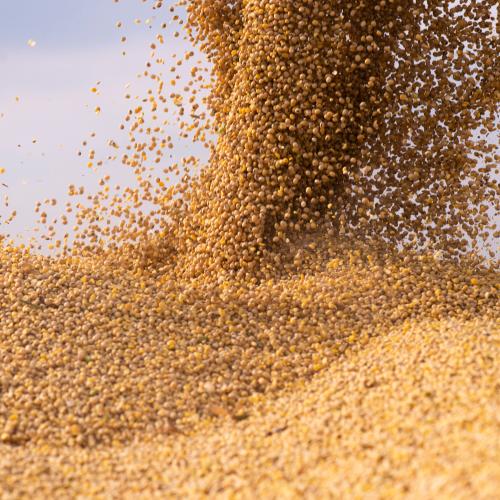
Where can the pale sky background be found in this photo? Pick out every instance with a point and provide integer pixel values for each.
(77, 45)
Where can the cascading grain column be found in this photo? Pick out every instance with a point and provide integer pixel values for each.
(340, 112)
(291, 127)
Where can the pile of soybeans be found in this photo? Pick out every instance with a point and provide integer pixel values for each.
(313, 313)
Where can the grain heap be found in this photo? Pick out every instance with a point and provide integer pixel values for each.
(332, 233)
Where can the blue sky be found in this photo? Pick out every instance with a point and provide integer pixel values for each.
(77, 45)
(56, 23)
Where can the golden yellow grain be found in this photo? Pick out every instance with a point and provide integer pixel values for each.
(309, 314)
